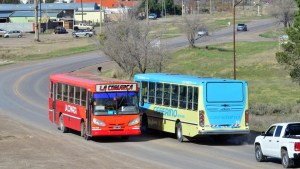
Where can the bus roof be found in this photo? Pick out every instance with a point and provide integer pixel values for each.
(179, 78)
(85, 79)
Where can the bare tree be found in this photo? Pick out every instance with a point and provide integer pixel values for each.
(131, 45)
(283, 10)
(192, 23)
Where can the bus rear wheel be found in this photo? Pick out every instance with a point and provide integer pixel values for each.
(62, 127)
(178, 132)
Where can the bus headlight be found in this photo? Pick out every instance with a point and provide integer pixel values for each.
(98, 122)
(134, 122)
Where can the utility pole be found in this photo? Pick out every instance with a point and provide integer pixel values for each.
(36, 31)
(234, 53)
(147, 10)
(100, 16)
(81, 12)
(210, 7)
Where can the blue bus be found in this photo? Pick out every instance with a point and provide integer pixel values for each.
(191, 106)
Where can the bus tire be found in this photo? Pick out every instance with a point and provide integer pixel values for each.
(82, 129)
(62, 127)
(144, 126)
(178, 132)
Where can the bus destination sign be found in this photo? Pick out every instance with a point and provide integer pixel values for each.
(116, 87)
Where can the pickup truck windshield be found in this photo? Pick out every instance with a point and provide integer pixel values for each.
(115, 103)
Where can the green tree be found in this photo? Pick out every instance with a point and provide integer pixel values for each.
(290, 56)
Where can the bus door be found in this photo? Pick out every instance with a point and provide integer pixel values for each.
(88, 114)
(54, 103)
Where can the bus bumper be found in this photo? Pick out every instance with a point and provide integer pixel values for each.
(225, 132)
(99, 132)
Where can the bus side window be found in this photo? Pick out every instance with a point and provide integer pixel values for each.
(65, 92)
(182, 97)
(167, 89)
(159, 87)
(174, 95)
(59, 91)
(51, 89)
(195, 98)
(71, 94)
(190, 98)
(77, 95)
(144, 91)
(83, 97)
(151, 92)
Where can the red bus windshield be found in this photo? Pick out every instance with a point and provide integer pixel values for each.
(112, 103)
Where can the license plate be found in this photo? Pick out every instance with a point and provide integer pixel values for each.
(117, 127)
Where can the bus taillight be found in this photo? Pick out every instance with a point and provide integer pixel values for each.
(246, 118)
(201, 118)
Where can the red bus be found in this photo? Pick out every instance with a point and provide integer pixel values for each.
(93, 105)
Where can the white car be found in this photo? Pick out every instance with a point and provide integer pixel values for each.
(202, 32)
(152, 16)
(281, 140)
(83, 33)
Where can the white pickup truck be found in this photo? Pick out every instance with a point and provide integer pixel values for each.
(83, 26)
(282, 140)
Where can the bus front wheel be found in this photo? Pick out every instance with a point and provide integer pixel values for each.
(82, 129)
(178, 132)
(144, 126)
(61, 124)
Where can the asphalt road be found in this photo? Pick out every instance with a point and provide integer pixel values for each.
(23, 92)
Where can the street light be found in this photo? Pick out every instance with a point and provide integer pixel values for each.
(234, 54)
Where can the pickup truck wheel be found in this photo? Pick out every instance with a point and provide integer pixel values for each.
(258, 154)
(285, 160)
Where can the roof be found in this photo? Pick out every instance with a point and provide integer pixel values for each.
(5, 15)
(286, 123)
(48, 6)
(88, 79)
(31, 14)
(113, 3)
(179, 78)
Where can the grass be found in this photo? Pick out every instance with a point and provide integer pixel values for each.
(59, 53)
(273, 33)
(268, 81)
(272, 94)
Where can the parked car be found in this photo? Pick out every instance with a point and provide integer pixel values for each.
(13, 34)
(203, 32)
(83, 26)
(241, 27)
(2, 32)
(281, 140)
(152, 16)
(60, 30)
(83, 33)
